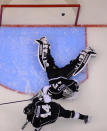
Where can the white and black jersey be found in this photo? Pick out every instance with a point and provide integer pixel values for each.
(59, 77)
(45, 113)
(57, 86)
(41, 113)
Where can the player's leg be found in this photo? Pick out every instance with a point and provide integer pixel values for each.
(82, 60)
(45, 58)
(43, 50)
(77, 65)
(72, 114)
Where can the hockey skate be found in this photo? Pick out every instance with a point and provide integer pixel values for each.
(42, 40)
(87, 119)
(90, 51)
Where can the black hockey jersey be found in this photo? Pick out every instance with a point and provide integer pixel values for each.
(44, 114)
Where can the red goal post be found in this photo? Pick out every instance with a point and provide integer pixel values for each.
(41, 6)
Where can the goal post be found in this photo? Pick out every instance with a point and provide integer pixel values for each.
(40, 15)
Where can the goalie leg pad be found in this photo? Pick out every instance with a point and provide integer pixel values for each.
(43, 51)
(82, 60)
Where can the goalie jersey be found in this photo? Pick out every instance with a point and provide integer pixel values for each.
(61, 85)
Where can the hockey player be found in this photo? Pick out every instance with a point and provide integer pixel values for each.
(59, 84)
(40, 113)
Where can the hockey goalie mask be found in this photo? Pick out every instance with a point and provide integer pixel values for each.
(67, 92)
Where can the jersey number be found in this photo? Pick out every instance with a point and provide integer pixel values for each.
(46, 108)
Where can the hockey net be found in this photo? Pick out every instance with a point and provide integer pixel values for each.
(39, 15)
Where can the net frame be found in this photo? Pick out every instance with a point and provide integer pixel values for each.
(39, 6)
